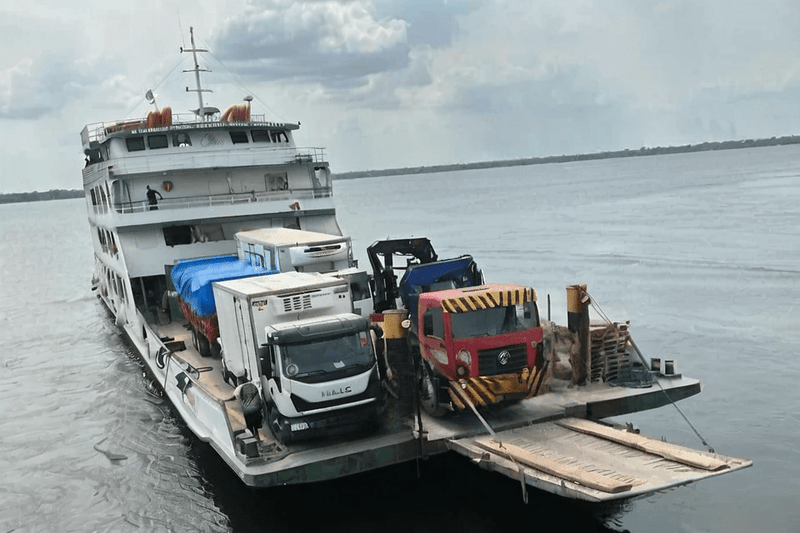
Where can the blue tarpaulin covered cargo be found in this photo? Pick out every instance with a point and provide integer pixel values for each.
(193, 278)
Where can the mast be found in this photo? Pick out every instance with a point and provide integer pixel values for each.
(201, 110)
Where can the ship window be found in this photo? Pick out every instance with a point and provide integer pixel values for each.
(277, 182)
(135, 144)
(276, 136)
(260, 136)
(239, 137)
(181, 140)
(157, 141)
(176, 235)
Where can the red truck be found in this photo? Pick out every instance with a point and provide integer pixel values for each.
(473, 343)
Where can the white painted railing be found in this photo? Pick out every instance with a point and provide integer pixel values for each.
(220, 199)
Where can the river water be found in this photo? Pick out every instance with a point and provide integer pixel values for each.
(700, 252)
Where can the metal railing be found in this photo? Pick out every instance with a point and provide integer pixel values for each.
(220, 200)
(99, 131)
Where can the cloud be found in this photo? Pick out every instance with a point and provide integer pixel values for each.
(38, 87)
(433, 24)
(336, 43)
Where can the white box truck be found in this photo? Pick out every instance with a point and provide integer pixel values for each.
(294, 250)
(295, 336)
(287, 249)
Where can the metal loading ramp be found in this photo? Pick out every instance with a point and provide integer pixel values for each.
(577, 458)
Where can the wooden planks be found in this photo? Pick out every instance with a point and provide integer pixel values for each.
(662, 449)
(547, 465)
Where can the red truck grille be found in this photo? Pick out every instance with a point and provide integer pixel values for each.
(513, 359)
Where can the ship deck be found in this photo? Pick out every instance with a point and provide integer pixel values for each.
(526, 427)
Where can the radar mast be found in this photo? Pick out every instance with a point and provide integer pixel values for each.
(202, 111)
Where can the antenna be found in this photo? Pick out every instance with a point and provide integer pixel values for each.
(201, 110)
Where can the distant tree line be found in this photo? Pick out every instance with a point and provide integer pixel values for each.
(52, 194)
(644, 151)
(62, 194)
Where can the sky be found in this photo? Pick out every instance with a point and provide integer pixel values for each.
(390, 83)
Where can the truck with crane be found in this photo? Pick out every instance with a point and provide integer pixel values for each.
(472, 343)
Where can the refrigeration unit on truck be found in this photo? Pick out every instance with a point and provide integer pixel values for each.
(295, 336)
(474, 343)
(289, 249)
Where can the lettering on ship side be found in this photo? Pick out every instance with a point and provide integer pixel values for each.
(336, 392)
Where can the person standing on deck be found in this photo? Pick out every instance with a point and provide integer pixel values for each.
(248, 395)
(151, 198)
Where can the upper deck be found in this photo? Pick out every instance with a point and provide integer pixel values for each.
(200, 165)
(180, 143)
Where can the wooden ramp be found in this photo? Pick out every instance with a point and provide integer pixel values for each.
(580, 459)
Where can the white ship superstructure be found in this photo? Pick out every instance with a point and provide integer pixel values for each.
(214, 174)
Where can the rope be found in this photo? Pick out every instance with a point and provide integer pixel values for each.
(641, 356)
(165, 78)
(699, 436)
(597, 308)
(466, 399)
(240, 85)
(417, 358)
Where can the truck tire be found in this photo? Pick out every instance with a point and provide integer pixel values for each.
(201, 343)
(428, 392)
(203, 346)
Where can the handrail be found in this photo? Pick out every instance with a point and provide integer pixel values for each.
(222, 199)
(99, 131)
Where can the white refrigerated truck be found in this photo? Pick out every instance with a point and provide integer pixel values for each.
(289, 249)
(295, 336)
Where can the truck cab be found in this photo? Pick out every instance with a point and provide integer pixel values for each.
(319, 375)
(487, 336)
(294, 335)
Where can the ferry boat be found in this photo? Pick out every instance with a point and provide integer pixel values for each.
(168, 188)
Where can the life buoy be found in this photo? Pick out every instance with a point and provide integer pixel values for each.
(166, 116)
(237, 113)
(167, 186)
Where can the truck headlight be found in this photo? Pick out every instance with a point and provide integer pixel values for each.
(464, 356)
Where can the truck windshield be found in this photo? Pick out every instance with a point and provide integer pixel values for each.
(334, 357)
(494, 321)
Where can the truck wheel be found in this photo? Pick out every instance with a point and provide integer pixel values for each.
(428, 392)
(200, 343)
(228, 376)
(203, 346)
